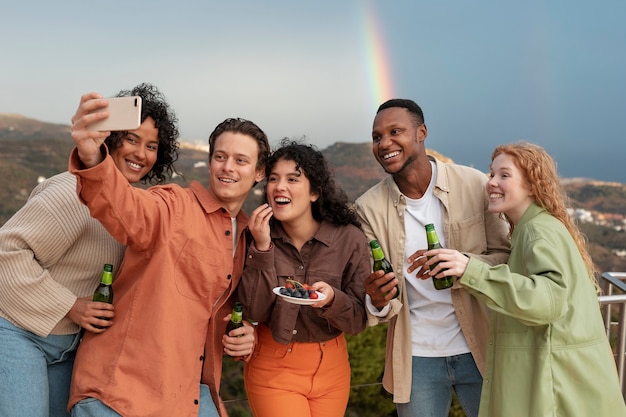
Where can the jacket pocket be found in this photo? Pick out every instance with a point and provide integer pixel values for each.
(468, 235)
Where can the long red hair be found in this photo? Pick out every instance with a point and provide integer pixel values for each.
(539, 170)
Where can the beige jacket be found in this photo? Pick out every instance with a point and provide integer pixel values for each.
(468, 227)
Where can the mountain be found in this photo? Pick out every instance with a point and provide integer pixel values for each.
(31, 149)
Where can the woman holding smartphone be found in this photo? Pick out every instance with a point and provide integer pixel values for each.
(51, 257)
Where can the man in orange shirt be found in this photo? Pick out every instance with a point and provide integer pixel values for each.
(162, 355)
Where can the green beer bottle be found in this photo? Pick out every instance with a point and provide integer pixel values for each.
(433, 243)
(381, 263)
(236, 318)
(104, 292)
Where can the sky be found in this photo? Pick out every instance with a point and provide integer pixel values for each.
(484, 72)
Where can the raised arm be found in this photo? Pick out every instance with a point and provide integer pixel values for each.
(88, 143)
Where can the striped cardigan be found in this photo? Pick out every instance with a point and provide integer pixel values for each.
(51, 252)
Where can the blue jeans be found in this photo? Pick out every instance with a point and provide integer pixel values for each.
(35, 372)
(433, 382)
(91, 407)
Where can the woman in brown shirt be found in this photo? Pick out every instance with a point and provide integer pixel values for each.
(307, 232)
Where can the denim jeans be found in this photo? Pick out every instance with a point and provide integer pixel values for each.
(433, 382)
(91, 407)
(35, 372)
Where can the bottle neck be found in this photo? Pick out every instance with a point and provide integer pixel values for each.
(107, 278)
(377, 254)
(237, 317)
(431, 237)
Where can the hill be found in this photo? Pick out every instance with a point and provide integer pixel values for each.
(30, 149)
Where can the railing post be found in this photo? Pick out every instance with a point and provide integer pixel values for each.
(610, 280)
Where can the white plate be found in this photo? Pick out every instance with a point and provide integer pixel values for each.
(300, 301)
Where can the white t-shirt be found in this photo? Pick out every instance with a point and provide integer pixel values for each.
(233, 221)
(435, 329)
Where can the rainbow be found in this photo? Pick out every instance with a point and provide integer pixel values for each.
(378, 62)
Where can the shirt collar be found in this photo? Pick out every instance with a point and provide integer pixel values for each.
(325, 234)
(210, 205)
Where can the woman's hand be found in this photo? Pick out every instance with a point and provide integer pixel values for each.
(259, 226)
(451, 262)
(325, 289)
(86, 313)
(88, 142)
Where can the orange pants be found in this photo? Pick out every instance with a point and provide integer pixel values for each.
(298, 379)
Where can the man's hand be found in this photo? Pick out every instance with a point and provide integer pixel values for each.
(416, 263)
(242, 343)
(378, 284)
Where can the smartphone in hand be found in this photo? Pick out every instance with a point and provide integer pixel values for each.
(124, 114)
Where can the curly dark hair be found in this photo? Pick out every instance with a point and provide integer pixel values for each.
(245, 127)
(332, 204)
(154, 105)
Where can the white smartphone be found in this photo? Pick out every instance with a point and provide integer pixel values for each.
(124, 114)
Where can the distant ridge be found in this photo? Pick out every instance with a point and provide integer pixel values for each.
(16, 126)
(31, 149)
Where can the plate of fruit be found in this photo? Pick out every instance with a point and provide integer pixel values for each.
(297, 293)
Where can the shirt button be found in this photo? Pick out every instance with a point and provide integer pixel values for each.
(201, 358)
(229, 276)
(294, 331)
(289, 350)
(227, 233)
(196, 402)
(300, 266)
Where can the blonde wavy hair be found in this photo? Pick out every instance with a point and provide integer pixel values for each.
(539, 170)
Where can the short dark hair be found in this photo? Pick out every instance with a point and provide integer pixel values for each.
(154, 105)
(412, 107)
(245, 127)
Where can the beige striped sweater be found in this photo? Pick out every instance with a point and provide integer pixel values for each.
(51, 252)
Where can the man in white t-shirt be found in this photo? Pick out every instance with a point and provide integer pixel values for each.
(436, 340)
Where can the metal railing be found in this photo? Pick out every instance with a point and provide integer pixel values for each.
(613, 305)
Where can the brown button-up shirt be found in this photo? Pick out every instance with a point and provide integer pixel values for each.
(337, 255)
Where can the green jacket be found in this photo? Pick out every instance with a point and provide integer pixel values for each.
(548, 353)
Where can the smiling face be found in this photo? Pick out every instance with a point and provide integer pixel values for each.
(289, 193)
(233, 169)
(137, 152)
(397, 139)
(509, 191)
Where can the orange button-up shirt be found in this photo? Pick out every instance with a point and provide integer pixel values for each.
(171, 294)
